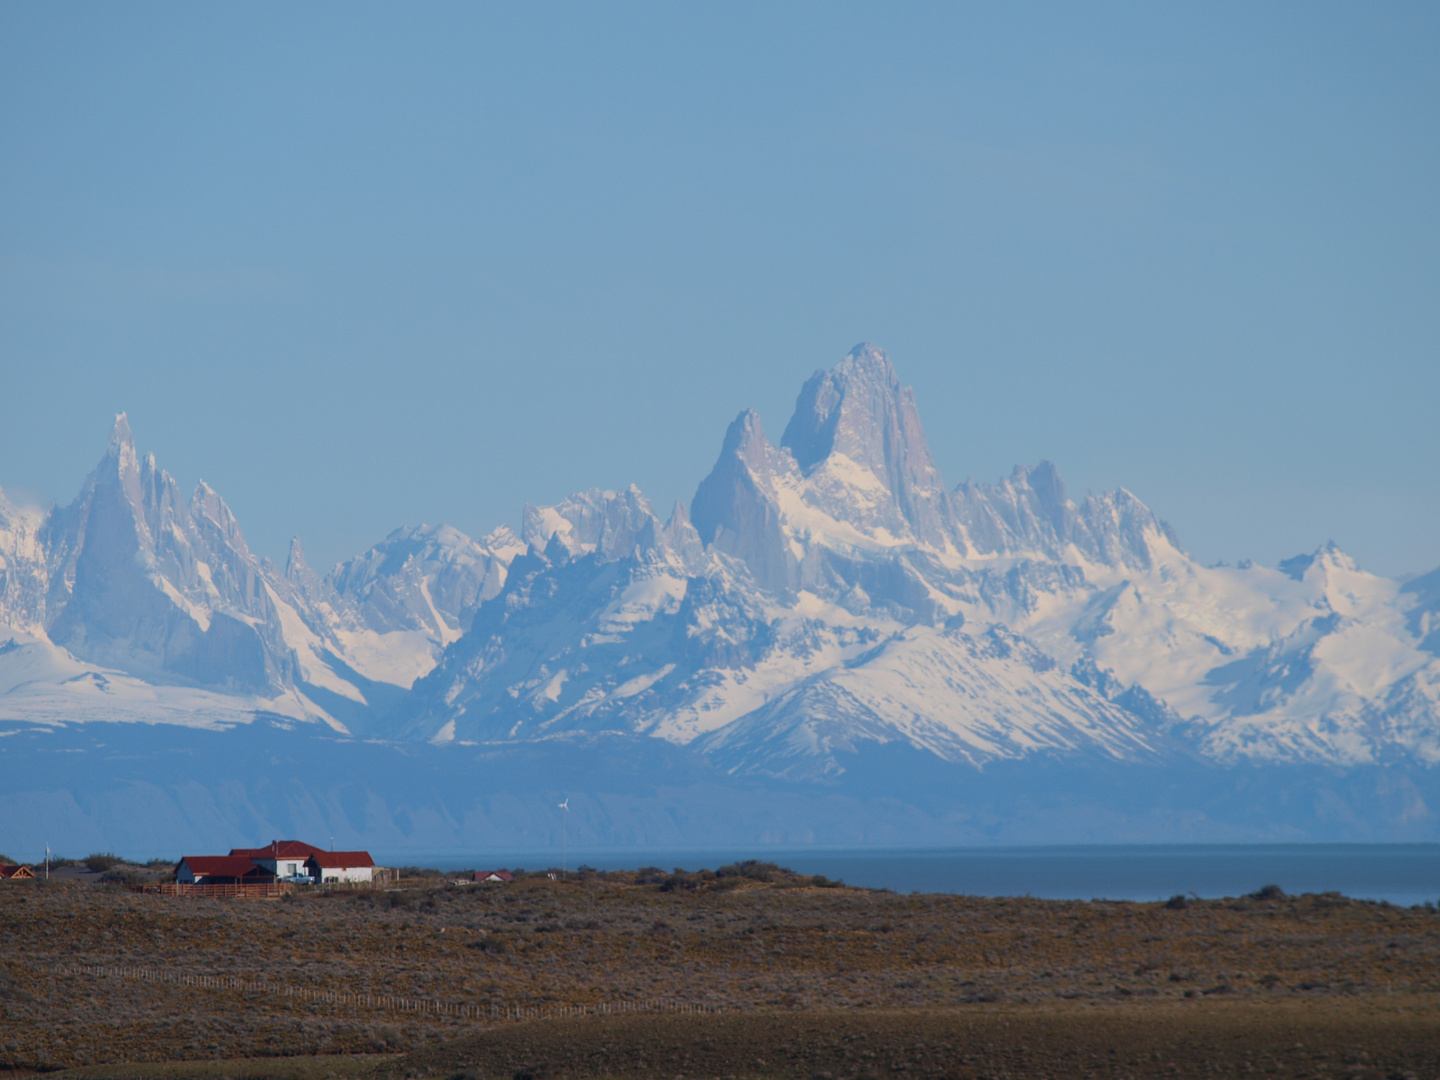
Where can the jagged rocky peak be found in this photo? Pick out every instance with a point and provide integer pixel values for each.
(1029, 512)
(22, 565)
(295, 566)
(164, 508)
(1421, 596)
(121, 447)
(119, 469)
(735, 511)
(745, 442)
(853, 470)
(748, 459)
(1119, 529)
(215, 519)
(299, 574)
(425, 577)
(1333, 580)
(109, 508)
(857, 417)
(857, 408)
(1327, 556)
(611, 523)
(137, 583)
(676, 539)
(680, 531)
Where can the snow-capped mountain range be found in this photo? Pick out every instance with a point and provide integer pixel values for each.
(818, 599)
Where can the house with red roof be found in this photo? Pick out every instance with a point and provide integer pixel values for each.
(340, 866)
(283, 858)
(279, 860)
(221, 870)
(14, 872)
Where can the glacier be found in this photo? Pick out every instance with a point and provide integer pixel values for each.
(826, 629)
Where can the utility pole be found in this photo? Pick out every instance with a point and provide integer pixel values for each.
(564, 854)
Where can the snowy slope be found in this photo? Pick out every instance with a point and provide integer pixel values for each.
(819, 599)
(827, 611)
(41, 683)
(964, 697)
(151, 594)
(842, 559)
(652, 642)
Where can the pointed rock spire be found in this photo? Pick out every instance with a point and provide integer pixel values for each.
(680, 536)
(298, 572)
(122, 463)
(734, 508)
(859, 410)
(215, 520)
(745, 439)
(295, 564)
(120, 437)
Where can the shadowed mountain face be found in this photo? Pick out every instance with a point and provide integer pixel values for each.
(820, 604)
(735, 511)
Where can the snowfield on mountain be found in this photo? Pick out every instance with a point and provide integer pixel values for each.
(818, 599)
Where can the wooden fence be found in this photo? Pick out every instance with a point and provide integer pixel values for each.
(254, 890)
(250, 890)
(466, 1010)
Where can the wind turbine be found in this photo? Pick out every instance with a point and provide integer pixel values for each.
(564, 820)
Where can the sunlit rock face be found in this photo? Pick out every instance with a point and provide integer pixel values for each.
(856, 437)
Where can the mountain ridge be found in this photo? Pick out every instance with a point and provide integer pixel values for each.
(817, 601)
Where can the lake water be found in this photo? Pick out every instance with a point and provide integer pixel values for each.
(1403, 874)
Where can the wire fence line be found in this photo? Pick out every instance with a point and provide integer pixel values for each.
(465, 1010)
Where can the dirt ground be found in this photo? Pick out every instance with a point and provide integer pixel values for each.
(806, 981)
(1226, 1039)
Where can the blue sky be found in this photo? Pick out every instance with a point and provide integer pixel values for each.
(364, 266)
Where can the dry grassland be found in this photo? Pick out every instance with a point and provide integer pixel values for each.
(813, 982)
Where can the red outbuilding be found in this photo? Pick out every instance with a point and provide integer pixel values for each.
(222, 870)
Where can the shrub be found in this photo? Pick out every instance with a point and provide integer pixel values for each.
(1269, 892)
(124, 875)
(755, 870)
(100, 861)
(1177, 902)
(679, 881)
